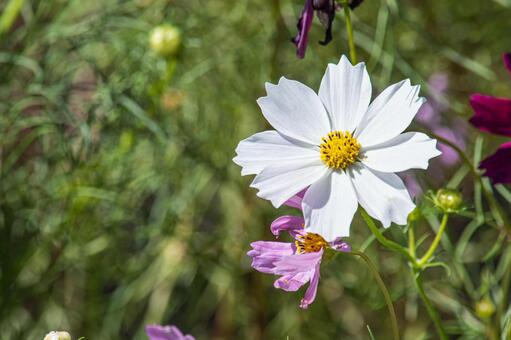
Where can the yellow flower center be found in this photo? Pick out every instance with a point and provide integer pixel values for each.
(310, 243)
(339, 150)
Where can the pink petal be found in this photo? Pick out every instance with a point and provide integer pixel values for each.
(292, 282)
(293, 264)
(157, 332)
(265, 254)
(291, 224)
(310, 293)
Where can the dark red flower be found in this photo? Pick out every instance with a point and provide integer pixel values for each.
(498, 165)
(493, 114)
(325, 10)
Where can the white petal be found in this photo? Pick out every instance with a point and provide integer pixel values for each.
(295, 110)
(267, 148)
(382, 195)
(279, 182)
(346, 92)
(329, 206)
(389, 114)
(410, 150)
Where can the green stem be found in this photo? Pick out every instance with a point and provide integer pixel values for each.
(435, 242)
(349, 30)
(429, 306)
(384, 290)
(383, 240)
(9, 15)
(494, 205)
(411, 239)
(504, 300)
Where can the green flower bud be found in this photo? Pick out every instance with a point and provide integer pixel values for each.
(415, 215)
(165, 40)
(485, 308)
(59, 335)
(448, 200)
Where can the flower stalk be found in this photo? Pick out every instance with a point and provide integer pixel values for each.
(383, 240)
(417, 266)
(349, 30)
(494, 205)
(411, 239)
(434, 244)
(388, 300)
(429, 306)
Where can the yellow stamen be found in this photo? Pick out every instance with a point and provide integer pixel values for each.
(310, 243)
(339, 150)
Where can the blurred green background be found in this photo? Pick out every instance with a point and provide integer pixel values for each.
(119, 202)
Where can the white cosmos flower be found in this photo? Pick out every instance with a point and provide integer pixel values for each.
(343, 148)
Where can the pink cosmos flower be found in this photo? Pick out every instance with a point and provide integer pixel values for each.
(157, 332)
(297, 263)
(493, 114)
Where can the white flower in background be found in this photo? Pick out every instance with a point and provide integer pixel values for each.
(57, 335)
(340, 146)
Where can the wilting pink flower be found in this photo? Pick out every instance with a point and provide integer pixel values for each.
(157, 332)
(325, 10)
(493, 114)
(296, 263)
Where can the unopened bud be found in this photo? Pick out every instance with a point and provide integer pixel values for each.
(165, 40)
(448, 200)
(485, 308)
(57, 335)
(415, 215)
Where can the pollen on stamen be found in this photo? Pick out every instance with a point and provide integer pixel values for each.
(339, 150)
(310, 243)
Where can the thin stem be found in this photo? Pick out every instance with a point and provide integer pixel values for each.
(383, 240)
(434, 244)
(384, 290)
(411, 239)
(504, 299)
(9, 15)
(349, 30)
(494, 205)
(429, 306)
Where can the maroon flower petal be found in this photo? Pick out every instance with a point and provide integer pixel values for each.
(325, 10)
(492, 114)
(498, 165)
(507, 61)
(304, 25)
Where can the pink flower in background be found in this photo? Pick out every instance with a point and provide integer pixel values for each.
(157, 332)
(296, 263)
(412, 184)
(430, 116)
(493, 114)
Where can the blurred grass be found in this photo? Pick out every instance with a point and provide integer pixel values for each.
(120, 205)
